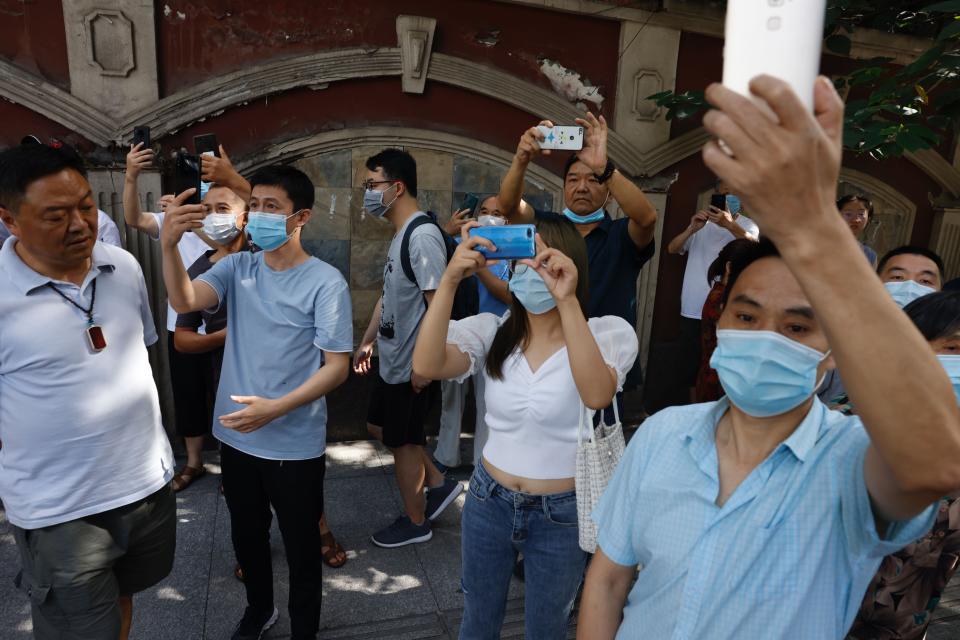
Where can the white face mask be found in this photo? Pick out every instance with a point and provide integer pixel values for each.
(221, 227)
(491, 221)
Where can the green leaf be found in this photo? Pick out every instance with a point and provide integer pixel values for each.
(950, 31)
(838, 44)
(943, 7)
(924, 61)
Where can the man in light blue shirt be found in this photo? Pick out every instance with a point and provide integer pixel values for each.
(764, 515)
(287, 347)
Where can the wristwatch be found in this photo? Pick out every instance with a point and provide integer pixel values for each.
(607, 173)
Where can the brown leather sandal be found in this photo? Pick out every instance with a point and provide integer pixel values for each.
(186, 476)
(334, 556)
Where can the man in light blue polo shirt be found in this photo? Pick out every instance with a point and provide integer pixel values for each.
(85, 465)
(764, 515)
(287, 347)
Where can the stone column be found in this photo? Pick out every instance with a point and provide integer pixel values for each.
(112, 53)
(945, 240)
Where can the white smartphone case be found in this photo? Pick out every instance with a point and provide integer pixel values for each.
(781, 38)
(568, 138)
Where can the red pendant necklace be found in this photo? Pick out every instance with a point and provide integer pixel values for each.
(95, 338)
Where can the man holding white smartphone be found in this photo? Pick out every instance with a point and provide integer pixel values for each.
(616, 249)
(709, 231)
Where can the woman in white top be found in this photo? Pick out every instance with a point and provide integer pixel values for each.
(539, 362)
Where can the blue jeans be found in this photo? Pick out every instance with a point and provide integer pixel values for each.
(499, 523)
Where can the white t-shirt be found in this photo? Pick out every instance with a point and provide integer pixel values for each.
(107, 230)
(81, 430)
(533, 417)
(191, 247)
(702, 248)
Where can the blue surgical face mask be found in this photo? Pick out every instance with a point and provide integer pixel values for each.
(596, 216)
(952, 365)
(373, 201)
(733, 204)
(764, 373)
(906, 291)
(531, 290)
(268, 230)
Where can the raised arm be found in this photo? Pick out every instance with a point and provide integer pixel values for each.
(696, 223)
(137, 160)
(221, 171)
(433, 357)
(787, 173)
(633, 202)
(184, 294)
(586, 362)
(514, 207)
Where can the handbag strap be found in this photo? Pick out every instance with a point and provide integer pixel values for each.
(586, 422)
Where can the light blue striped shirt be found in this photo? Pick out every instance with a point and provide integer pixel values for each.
(789, 554)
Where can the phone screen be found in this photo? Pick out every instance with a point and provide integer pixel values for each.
(719, 201)
(188, 176)
(469, 202)
(141, 134)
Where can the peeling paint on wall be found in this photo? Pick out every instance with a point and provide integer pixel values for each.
(569, 85)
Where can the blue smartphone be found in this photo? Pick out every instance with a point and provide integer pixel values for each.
(513, 241)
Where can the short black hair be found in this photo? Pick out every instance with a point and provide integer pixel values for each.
(763, 248)
(298, 186)
(937, 315)
(856, 197)
(729, 253)
(396, 164)
(26, 163)
(574, 158)
(912, 250)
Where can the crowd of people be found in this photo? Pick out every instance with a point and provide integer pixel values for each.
(783, 502)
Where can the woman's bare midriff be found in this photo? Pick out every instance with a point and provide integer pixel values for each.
(528, 485)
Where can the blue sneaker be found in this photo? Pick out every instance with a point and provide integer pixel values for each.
(442, 497)
(401, 533)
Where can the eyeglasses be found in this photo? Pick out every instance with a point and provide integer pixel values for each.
(369, 184)
(850, 216)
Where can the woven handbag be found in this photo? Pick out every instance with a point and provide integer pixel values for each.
(597, 457)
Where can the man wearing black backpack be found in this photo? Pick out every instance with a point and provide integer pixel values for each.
(401, 399)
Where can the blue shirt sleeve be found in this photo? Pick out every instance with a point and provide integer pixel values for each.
(859, 522)
(333, 316)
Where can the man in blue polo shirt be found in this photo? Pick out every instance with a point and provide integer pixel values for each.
(85, 465)
(764, 514)
(616, 249)
(288, 346)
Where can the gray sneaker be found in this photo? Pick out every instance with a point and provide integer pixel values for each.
(401, 533)
(441, 497)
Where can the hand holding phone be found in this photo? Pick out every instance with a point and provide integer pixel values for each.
(719, 201)
(141, 135)
(567, 138)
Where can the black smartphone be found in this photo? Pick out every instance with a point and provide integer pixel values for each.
(470, 202)
(207, 143)
(187, 176)
(719, 201)
(141, 134)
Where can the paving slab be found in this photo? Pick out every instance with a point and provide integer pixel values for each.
(176, 607)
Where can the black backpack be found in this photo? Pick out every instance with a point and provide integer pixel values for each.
(466, 302)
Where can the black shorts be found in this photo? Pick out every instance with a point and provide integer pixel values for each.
(400, 412)
(74, 572)
(192, 393)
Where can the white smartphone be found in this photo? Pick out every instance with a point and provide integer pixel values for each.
(561, 137)
(781, 38)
